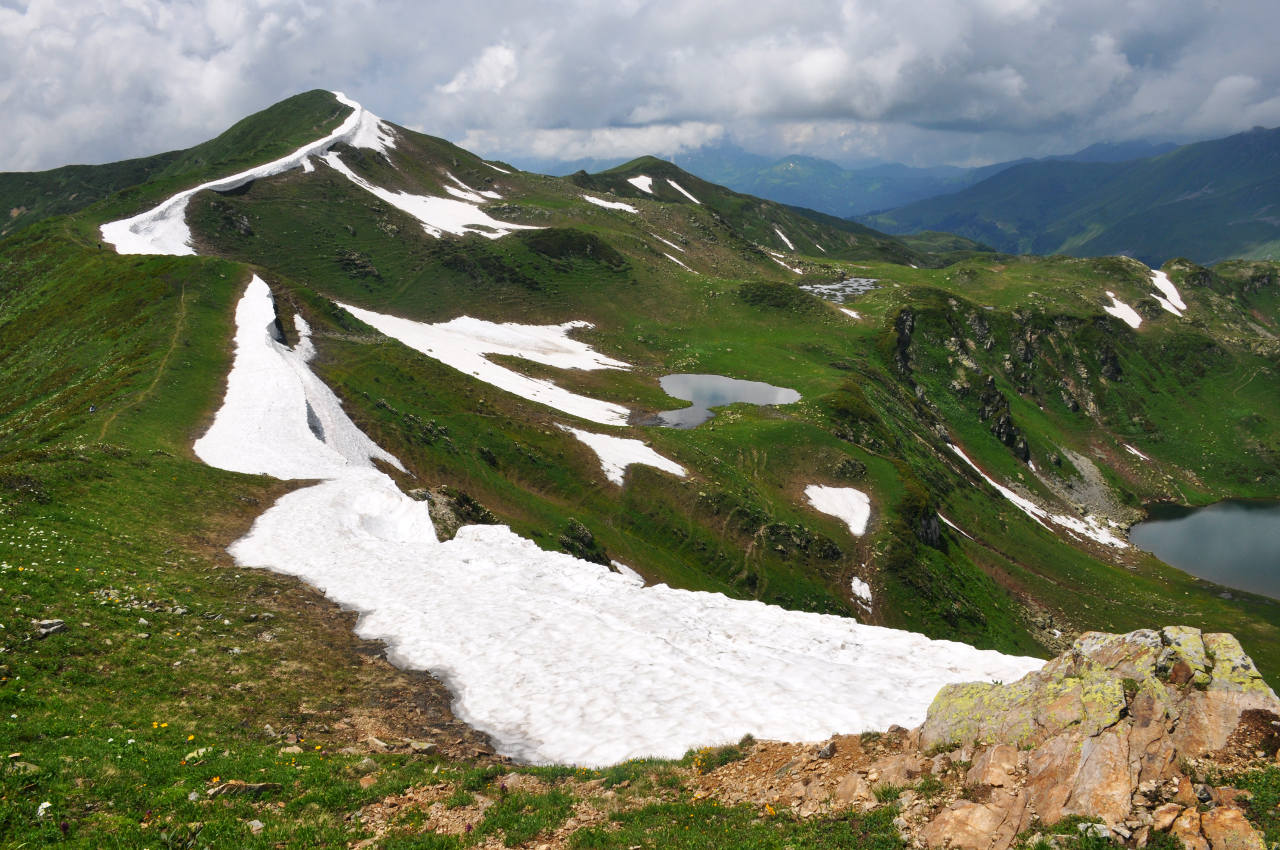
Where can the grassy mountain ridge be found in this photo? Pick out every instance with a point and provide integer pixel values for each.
(28, 197)
(1208, 201)
(757, 219)
(116, 364)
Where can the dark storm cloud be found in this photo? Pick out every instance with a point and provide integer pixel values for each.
(915, 80)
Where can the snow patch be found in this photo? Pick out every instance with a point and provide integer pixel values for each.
(784, 238)
(854, 314)
(496, 168)
(678, 263)
(476, 196)
(1131, 450)
(845, 503)
(617, 453)
(1090, 527)
(611, 205)
(277, 418)
(463, 343)
(1172, 300)
(163, 229)
(606, 669)
(436, 215)
(668, 244)
(861, 591)
(777, 258)
(1123, 311)
(643, 183)
(681, 190)
(627, 572)
(956, 527)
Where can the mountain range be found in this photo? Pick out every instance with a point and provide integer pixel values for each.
(429, 386)
(1207, 201)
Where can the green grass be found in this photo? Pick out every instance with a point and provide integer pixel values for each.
(694, 826)
(1264, 808)
(520, 816)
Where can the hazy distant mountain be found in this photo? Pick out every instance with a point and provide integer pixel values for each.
(1207, 201)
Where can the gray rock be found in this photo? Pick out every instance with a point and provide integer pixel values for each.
(44, 628)
(827, 750)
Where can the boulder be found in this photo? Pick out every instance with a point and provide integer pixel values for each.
(1113, 714)
(993, 766)
(1187, 829)
(901, 770)
(851, 790)
(1164, 816)
(1226, 829)
(992, 825)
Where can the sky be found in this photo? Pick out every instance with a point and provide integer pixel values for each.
(925, 82)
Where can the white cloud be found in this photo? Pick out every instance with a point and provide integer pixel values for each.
(600, 143)
(904, 79)
(491, 72)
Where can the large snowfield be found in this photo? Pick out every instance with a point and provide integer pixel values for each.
(558, 659)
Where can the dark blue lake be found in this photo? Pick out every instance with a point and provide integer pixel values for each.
(708, 391)
(1231, 543)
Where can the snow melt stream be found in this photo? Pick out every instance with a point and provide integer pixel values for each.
(559, 660)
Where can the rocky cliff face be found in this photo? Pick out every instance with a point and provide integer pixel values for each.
(1118, 729)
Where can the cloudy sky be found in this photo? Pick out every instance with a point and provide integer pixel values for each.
(918, 81)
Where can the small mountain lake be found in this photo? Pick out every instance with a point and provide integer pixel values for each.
(1233, 543)
(708, 391)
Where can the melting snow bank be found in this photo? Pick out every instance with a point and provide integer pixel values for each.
(1172, 300)
(277, 417)
(783, 236)
(681, 190)
(1090, 527)
(459, 215)
(609, 205)
(559, 660)
(777, 258)
(845, 503)
(617, 453)
(677, 262)
(1131, 450)
(956, 527)
(643, 183)
(1122, 311)
(463, 343)
(861, 591)
(163, 230)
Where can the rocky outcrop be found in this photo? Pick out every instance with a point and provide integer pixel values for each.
(1107, 726)
(1120, 728)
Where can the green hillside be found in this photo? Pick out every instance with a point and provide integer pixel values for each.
(28, 197)
(1209, 201)
(114, 365)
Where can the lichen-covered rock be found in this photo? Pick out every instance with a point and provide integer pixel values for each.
(1112, 713)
